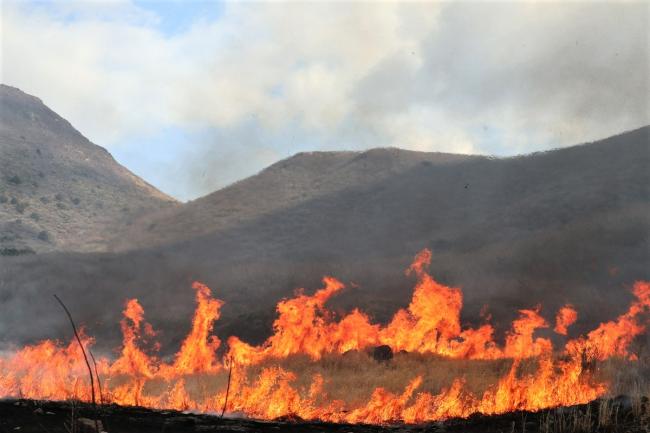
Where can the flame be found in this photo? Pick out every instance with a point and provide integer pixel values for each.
(613, 338)
(520, 342)
(133, 360)
(46, 371)
(262, 388)
(303, 326)
(566, 317)
(197, 354)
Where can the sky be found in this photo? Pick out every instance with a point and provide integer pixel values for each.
(194, 95)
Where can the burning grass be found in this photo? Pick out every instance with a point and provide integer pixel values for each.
(315, 365)
(352, 378)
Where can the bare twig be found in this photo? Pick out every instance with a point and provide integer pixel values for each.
(101, 394)
(83, 351)
(99, 382)
(227, 388)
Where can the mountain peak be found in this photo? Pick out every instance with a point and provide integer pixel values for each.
(58, 190)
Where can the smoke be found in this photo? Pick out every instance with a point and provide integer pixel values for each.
(269, 80)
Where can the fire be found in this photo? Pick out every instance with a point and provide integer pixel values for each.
(430, 325)
(46, 371)
(197, 354)
(613, 338)
(566, 317)
(133, 360)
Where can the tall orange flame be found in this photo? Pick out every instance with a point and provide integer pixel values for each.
(429, 325)
(566, 317)
(133, 360)
(197, 354)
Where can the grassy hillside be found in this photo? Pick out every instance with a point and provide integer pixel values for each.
(285, 185)
(59, 191)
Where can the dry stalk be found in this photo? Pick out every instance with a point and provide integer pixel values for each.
(227, 387)
(83, 351)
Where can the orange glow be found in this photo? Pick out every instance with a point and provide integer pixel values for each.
(197, 354)
(429, 325)
(566, 317)
(613, 338)
(133, 360)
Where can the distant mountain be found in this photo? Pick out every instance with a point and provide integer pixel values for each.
(59, 191)
(566, 226)
(287, 184)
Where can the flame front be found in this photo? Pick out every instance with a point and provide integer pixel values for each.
(262, 388)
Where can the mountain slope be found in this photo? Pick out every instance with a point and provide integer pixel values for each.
(283, 185)
(59, 191)
(566, 226)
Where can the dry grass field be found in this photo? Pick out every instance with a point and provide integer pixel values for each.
(352, 378)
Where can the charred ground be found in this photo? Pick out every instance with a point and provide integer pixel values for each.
(611, 416)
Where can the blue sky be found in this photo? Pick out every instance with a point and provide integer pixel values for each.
(194, 95)
(177, 16)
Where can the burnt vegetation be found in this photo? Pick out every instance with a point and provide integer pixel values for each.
(602, 416)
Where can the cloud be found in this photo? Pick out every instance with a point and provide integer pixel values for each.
(544, 75)
(265, 80)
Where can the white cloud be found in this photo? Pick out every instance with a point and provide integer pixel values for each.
(125, 72)
(423, 76)
(425, 129)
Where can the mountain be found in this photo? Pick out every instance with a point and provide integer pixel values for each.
(566, 226)
(287, 184)
(59, 191)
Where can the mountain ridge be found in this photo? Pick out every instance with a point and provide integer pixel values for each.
(58, 190)
(286, 183)
(318, 173)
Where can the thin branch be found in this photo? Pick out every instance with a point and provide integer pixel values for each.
(227, 388)
(99, 382)
(101, 394)
(83, 351)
